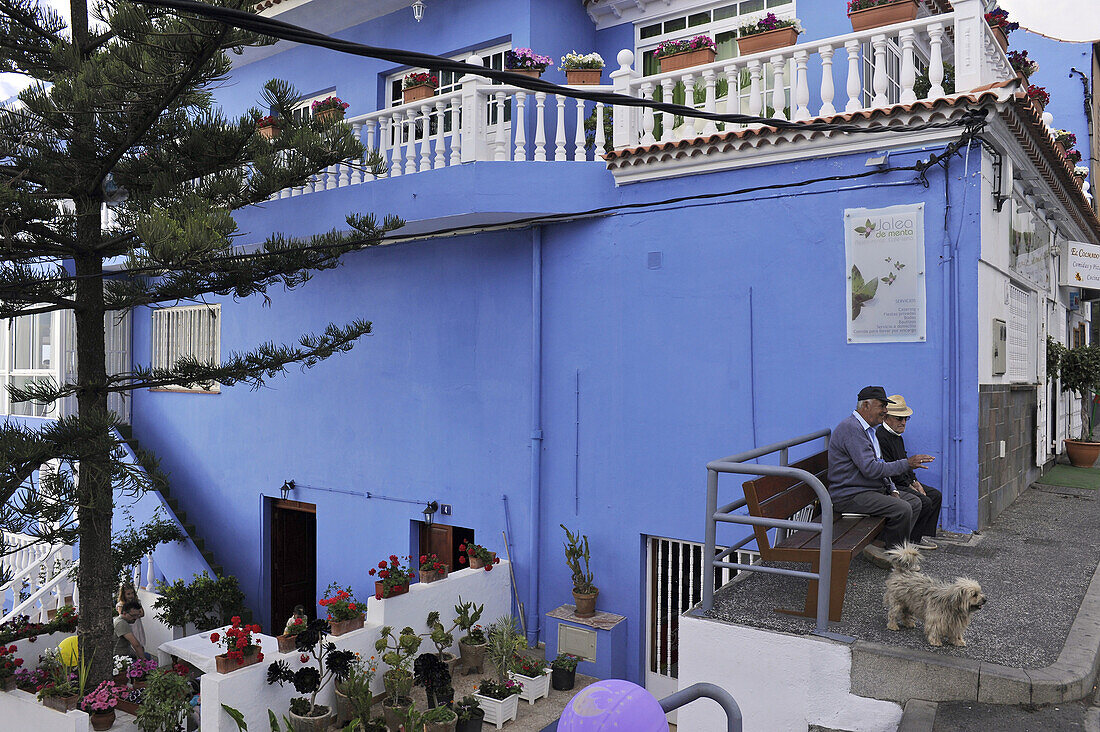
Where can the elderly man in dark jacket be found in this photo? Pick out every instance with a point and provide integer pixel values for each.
(893, 448)
(859, 478)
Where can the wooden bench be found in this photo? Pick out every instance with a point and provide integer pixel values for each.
(779, 497)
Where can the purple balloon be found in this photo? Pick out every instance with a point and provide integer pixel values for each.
(616, 705)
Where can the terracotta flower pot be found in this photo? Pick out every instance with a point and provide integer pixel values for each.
(269, 131)
(1001, 36)
(287, 643)
(767, 41)
(416, 93)
(533, 73)
(311, 724)
(1082, 454)
(61, 703)
(326, 114)
(583, 77)
(225, 664)
(339, 627)
(102, 720)
(127, 706)
(381, 593)
(586, 604)
(473, 656)
(881, 15)
(431, 575)
(687, 59)
(476, 563)
(8, 684)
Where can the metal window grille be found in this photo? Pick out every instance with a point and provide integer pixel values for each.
(1019, 326)
(675, 585)
(192, 330)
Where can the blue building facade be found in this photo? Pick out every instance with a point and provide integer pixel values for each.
(584, 371)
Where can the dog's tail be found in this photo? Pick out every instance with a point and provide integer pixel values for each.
(905, 558)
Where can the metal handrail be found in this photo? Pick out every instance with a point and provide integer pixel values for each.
(739, 464)
(708, 691)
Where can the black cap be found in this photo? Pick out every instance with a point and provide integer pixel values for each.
(873, 392)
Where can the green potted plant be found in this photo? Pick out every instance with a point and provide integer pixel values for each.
(499, 700)
(767, 34)
(1022, 65)
(1001, 25)
(868, 14)
(584, 591)
(139, 671)
(120, 666)
(582, 69)
(165, 704)
(564, 671)
(329, 108)
(503, 643)
(442, 639)
(205, 603)
(439, 719)
(353, 694)
(306, 715)
(685, 52)
(435, 677)
(240, 651)
(393, 577)
(470, 714)
(533, 674)
(61, 688)
(100, 704)
(1080, 372)
(345, 613)
(418, 85)
(480, 557)
(471, 646)
(431, 569)
(295, 624)
(397, 652)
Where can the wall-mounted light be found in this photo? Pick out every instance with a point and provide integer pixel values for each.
(878, 160)
(287, 487)
(418, 10)
(429, 512)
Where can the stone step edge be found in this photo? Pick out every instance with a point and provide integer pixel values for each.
(900, 674)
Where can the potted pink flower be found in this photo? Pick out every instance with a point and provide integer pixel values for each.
(685, 52)
(329, 107)
(100, 704)
(527, 62)
(767, 34)
(868, 14)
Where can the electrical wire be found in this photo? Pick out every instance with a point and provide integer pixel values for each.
(289, 32)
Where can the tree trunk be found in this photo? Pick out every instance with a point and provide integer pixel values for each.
(95, 495)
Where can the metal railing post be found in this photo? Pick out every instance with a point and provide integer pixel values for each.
(711, 538)
(708, 691)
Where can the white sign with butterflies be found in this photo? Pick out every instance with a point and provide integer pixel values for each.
(884, 263)
(1080, 265)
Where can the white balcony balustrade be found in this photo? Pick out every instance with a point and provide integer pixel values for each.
(483, 121)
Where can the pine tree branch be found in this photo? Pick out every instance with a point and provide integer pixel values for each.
(28, 21)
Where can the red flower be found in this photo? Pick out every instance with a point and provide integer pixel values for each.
(393, 557)
(18, 662)
(496, 560)
(371, 573)
(303, 658)
(214, 637)
(235, 620)
(351, 606)
(384, 574)
(462, 547)
(488, 568)
(423, 557)
(461, 559)
(381, 565)
(260, 656)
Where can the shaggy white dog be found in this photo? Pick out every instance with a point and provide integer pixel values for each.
(944, 607)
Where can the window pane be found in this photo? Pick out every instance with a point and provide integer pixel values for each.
(698, 19)
(676, 24)
(728, 11)
(650, 65)
(777, 3)
(650, 30)
(29, 409)
(727, 44)
(31, 342)
(752, 6)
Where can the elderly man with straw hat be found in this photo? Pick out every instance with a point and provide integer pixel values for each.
(893, 448)
(859, 475)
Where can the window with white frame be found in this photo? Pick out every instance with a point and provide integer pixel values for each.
(720, 21)
(1021, 366)
(190, 330)
(303, 108)
(29, 354)
(492, 57)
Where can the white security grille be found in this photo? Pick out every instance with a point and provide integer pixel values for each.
(674, 585)
(1019, 330)
(191, 330)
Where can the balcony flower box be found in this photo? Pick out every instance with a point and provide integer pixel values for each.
(225, 664)
(328, 108)
(865, 16)
(582, 69)
(418, 85)
(525, 62)
(533, 688)
(999, 22)
(498, 711)
(767, 41)
(583, 77)
(340, 627)
(683, 54)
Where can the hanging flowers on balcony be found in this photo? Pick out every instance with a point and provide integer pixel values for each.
(767, 34)
(1038, 95)
(239, 648)
(328, 107)
(1021, 64)
(1065, 138)
(868, 14)
(269, 126)
(767, 24)
(999, 22)
(420, 78)
(524, 59)
(684, 45)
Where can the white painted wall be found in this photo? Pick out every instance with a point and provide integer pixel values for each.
(783, 683)
(22, 711)
(247, 690)
(30, 650)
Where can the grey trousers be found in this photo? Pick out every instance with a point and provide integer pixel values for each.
(900, 513)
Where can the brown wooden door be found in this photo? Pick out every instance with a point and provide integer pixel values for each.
(293, 561)
(443, 541)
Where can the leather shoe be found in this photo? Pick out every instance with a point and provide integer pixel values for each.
(876, 555)
(926, 543)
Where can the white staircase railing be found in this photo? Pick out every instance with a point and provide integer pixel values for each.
(34, 567)
(50, 596)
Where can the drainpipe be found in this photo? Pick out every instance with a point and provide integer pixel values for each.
(946, 320)
(533, 617)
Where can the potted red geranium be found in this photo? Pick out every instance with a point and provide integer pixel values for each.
(394, 578)
(345, 613)
(240, 650)
(328, 107)
(418, 85)
(868, 14)
(1039, 96)
(998, 21)
(8, 664)
(479, 556)
(269, 126)
(431, 569)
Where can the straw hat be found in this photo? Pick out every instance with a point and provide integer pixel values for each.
(899, 408)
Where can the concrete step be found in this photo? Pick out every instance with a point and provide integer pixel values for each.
(919, 716)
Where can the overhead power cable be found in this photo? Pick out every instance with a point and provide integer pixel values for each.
(289, 32)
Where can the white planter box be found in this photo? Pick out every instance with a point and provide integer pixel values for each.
(498, 711)
(533, 689)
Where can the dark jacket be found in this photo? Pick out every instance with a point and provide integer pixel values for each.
(853, 466)
(893, 448)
